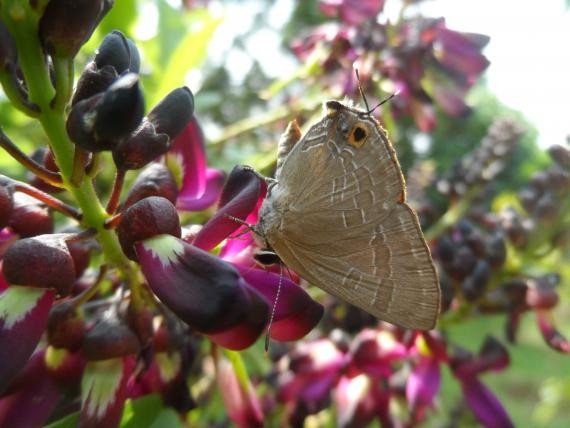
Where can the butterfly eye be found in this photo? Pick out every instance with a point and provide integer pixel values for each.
(357, 136)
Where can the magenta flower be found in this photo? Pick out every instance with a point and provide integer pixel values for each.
(352, 12)
(240, 400)
(201, 186)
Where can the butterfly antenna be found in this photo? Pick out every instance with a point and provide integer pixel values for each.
(361, 91)
(384, 101)
(274, 307)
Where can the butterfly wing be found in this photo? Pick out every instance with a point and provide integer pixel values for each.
(339, 218)
(386, 271)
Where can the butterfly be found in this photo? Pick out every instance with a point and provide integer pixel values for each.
(337, 215)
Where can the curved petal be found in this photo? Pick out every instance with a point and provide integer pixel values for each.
(296, 314)
(485, 406)
(240, 196)
(423, 383)
(24, 313)
(214, 183)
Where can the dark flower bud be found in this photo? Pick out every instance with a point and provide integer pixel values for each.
(144, 219)
(445, 250)
(81, 253)
(118, 52)
(560, 155)
(109, 338)
(141, 148)
(42, 261)
(100, 122)
(30, 217)
(463, 263)
(6, 205)
(44, 157)
(92, 81)
(66, 326)
(496, 251)
(559, 179)
(139, 320)
(541, 295)
(474, 285)
(173, 113)
(121, 109)
(155, 180)
(67, 24)
(546, 208)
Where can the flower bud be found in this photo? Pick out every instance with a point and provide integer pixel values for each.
(44, 157)
(118, 52)
(6, 205)
(30, 217)
(67, 24)
(146, 218)
(110, 338)
(155, 180)
(141, 148)
(42, 261)
(66, 327)
(121, 109)
(100, 122)
(173, 113)
(92, 81)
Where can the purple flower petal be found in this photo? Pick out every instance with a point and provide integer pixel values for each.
(23, 317)
(103, 392)
(214, 183)
(239, 198)
(41, 395)
(355, 401)
(188, 149)
(374, 350)
(485, 406)
(352, 12)
(551, 335)
(204, 291)
(423, 383)
(492, 356)
(461, 52)
(240, 400)
(295, 313)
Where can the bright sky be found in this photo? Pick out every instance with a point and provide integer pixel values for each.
(529, 53)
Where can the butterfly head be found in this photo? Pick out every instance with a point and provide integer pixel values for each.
(352, 125)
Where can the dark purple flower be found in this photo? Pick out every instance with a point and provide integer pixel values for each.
(204, 291)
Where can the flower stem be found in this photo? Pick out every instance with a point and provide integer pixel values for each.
(116, 193)
(45, 174)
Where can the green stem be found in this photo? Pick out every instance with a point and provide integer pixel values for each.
(63, 68)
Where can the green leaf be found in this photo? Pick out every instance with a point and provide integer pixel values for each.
(189, 53)
(70, 421)
(149, 412)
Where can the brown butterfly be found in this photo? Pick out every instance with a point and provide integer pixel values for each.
(337, 215)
